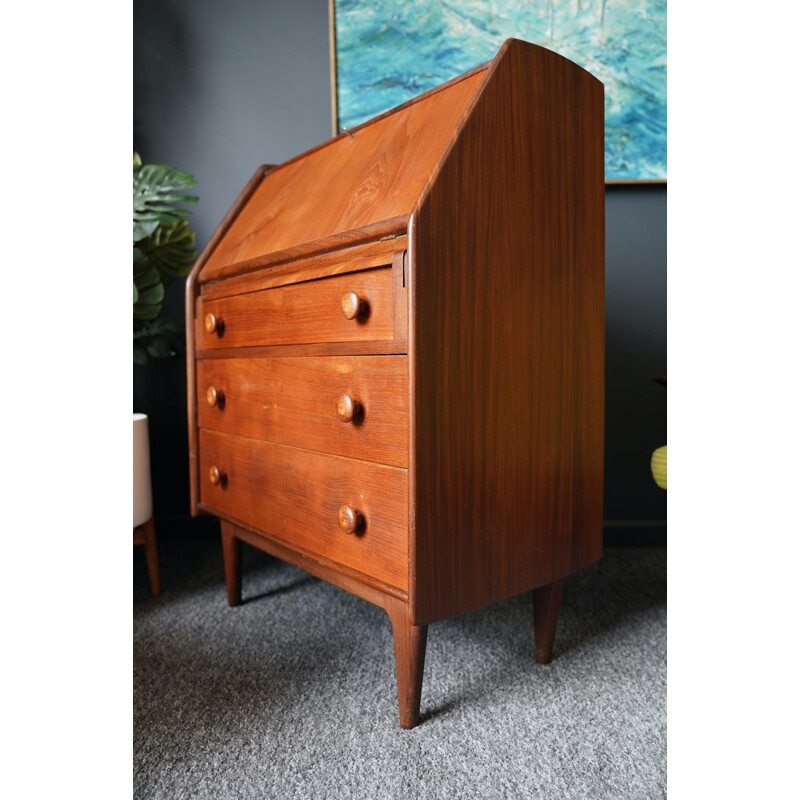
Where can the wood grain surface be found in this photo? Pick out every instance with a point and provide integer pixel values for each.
(350, 182)
(546, 604)
(294, 401)
(368, 235)
(358, 583)
(337, 262)
(506, 341)
(232, 559)
(363, 348)
(444, 450)
(410, 643)
(301, 313)
(295, 496)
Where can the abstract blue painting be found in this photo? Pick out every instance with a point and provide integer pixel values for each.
(388, 51)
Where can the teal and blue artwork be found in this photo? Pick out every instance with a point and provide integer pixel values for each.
(388, 51)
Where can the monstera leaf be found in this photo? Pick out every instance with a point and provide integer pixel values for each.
(163, 250)
(156, 190)
(170, 249)
(148, 290)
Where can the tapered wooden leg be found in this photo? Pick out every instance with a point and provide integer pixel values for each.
(232, 556)
(409, 650)
(546, 602)
(146, 534)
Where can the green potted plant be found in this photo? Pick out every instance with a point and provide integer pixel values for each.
(163, 251)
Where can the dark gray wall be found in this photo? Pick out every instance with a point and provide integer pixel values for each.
(221, 87)
(636, 351)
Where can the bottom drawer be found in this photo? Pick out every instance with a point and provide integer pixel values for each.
(296, 496)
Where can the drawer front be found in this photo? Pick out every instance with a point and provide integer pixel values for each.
(302, 313)
(350, 406)
(296, 496)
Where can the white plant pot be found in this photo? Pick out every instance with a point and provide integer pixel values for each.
(142, 488)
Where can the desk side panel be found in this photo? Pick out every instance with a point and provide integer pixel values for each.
(507, 342)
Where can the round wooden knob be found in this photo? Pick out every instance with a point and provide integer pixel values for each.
(214, 397)
(216, 475)
(213, 323)
(346, 408)
(351, 305)
(349, 519)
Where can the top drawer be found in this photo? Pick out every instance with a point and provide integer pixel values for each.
(355, 307)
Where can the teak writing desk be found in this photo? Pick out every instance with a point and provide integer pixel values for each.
(396, 354)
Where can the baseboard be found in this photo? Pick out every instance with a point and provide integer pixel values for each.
(175, 526)
(635, 533)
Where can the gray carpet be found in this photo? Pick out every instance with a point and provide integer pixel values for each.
(292, 695)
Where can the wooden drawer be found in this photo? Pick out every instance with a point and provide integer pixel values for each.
(295, 496)
(296, 401)
(301, 313)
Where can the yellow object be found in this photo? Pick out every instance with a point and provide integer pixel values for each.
(658, 464)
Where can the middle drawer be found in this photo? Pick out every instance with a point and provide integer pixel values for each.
(353, 406)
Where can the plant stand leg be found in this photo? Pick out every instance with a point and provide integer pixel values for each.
(145, 534)
(546, 603)
(232, 556)
(409, 648)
